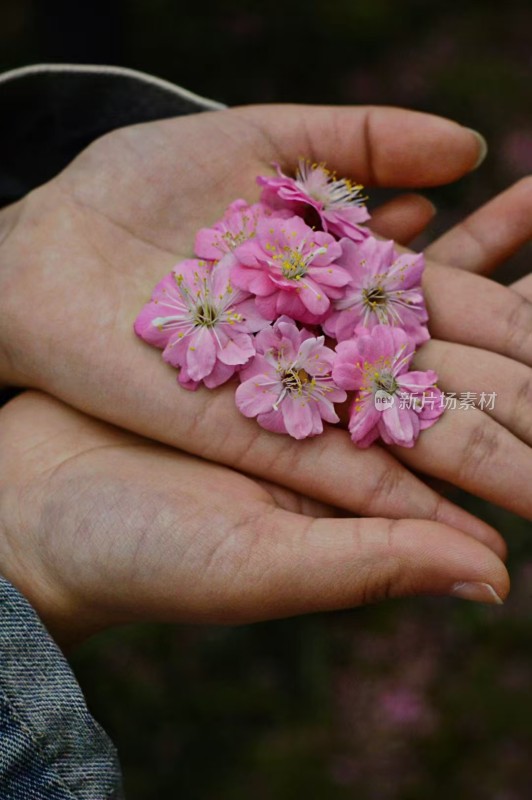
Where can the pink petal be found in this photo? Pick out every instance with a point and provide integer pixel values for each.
(280, 303)
(297, 417)
(185, 380)
(325, 407)
(253, 280)
(313, 297)
(289, 330)
(146, 330)
(417, 381)
(220, 374)
(367, 441)
(256, 395)
(432, 408)
(341, 324)
(272, 421)
(258, 366)
(175, 353)
(399, 425)
(249, 254)
(238, 350)
(253, 320)
(362, 423)
(210, 244)
(201, 353)
(312, 349)
(409, 270)
(329, 276)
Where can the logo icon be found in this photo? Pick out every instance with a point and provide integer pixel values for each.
(383, 400)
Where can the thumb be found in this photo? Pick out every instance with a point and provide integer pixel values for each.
(305, 565)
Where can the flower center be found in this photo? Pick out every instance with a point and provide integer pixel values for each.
(296, 379)
(322, 185)
(295, 382)
(374, 297)
(232, 240)
(385, 382)
(294, 265)
(206, 315)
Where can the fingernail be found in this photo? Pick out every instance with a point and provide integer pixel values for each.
(482, 148)
(434, 208)
(477, 592)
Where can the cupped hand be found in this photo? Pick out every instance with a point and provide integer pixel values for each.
(81, 255)
(101, 527)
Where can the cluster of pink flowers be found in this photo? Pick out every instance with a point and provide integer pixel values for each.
(269, 282)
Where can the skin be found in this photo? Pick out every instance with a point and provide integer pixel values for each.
(95, 515)
(100, 527)
(87, 248)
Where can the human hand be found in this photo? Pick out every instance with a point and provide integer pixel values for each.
(100, 527)
(81, 254)
(479, 244)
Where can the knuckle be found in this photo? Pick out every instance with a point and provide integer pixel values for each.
(475, 237)
(439, 511)
(384, 579)
(518, 325)
(386, 484)
(481, 446)
(523, 403)
(369, 150)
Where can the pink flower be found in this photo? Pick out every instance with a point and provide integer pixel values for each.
(389, 402)
(288, 385)
(338, 202)
(291, 269)
(202, 323)
(385, 289)
(236, 226)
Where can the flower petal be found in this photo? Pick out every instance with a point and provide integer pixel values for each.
(201, 353)
(257, 395)
(363, 419)
(297, 417)
(399, 425)
(238, 350)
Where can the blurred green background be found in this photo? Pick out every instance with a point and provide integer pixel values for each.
(404, 701)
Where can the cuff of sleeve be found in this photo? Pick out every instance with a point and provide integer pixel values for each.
(51, 112)
(50, 745)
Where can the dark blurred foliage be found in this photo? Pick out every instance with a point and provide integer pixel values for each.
(404, 701)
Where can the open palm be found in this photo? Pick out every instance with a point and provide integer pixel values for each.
(84, 251)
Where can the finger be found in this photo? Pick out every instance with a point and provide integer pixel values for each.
(403, 218)
(369, 482)
(376, 145)
(473, 310)
(483, 533)
(298, 503)
(472, 451)
(155, 546)
(463, 369)
(491, 235)
(124, 382)
(298, 566)
(524, 287)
